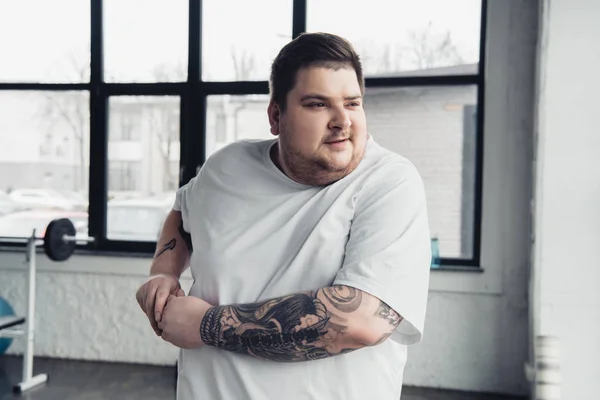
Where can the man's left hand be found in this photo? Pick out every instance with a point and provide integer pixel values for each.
(180, 322)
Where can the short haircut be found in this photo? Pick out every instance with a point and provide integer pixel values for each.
(311, 50)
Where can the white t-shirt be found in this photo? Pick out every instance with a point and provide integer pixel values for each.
(257, 235)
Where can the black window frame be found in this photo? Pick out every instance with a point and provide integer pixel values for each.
(193, 95)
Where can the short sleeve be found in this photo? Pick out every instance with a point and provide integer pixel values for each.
(182, 201)
(388, 254)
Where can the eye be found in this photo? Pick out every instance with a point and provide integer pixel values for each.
(354, 104)
(317, 105)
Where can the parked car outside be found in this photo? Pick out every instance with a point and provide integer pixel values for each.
(22, 223)
(138, 219)
(9, 205)
(130, 220)
(47, 199)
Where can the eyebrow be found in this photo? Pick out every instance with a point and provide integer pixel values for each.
(316, 96)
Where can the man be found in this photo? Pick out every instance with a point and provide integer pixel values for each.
(311, 251)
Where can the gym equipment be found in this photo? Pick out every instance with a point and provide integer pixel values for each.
(6, 313)
(59, 241)
(59, 244)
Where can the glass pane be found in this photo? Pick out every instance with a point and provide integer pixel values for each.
(434, 127)
(230, 118)
(44, 160)
(145, 40)
(45, 41)
(236, 47)
(405, 37)
(143, 165)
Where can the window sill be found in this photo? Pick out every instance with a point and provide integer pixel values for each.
(457, 268)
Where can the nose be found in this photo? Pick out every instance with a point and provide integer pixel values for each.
(340, 119)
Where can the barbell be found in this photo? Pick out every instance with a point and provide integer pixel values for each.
(59, 239)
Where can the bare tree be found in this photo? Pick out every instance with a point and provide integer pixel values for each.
(69, 111)
(370, 56)
(425, 49)
(244, 64)
(388, 60)
(163, 122)
(429, 50)
(169, 72)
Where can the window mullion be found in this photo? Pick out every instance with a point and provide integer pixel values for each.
(98, 172)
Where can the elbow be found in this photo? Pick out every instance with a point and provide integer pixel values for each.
(370, 333)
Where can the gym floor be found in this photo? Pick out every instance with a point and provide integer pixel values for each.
(80, 380)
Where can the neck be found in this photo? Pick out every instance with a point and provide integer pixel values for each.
(307, 175)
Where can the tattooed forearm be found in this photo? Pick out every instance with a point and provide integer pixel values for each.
(344, 298)
(384, 311)
(219, 329)
(298, 327)
(169, 246)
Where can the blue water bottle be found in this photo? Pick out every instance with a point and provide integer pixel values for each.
(435, 252)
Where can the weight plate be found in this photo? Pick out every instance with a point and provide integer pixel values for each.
(55, 247)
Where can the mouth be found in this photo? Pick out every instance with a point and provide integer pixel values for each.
(337, 145)
(338, 141)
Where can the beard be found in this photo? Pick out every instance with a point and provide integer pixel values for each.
(309, 169)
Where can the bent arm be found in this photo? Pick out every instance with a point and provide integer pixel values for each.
(173, 248)
(302, 326)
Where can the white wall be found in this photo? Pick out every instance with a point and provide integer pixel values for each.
(476, 331)
(477, 326)
(567, 203)
(86, 308)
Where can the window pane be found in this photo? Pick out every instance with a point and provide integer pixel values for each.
(231, 118)
(45, 41)
(236, 47)
(145, 40)
(44, 160)
(404, 37)
(434, 127)
(143, 168)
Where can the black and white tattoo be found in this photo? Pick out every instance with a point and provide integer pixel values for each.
(384, 311)
(298, 327)
(169, 246)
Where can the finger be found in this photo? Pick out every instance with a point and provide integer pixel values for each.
(161, 298)
(165, 336)
(154, 325)
(149, 307)
(180, 293)
(140, 296)
(155, 328)
(148, 299)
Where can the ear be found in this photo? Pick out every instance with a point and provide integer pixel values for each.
(274, 113)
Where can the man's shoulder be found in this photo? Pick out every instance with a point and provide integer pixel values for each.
(387, 165)
(389, 180)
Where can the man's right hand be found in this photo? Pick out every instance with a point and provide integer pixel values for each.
(152, 296)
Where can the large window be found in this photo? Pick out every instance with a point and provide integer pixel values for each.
(107, 107)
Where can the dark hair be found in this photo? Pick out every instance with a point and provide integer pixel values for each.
(310, 50)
